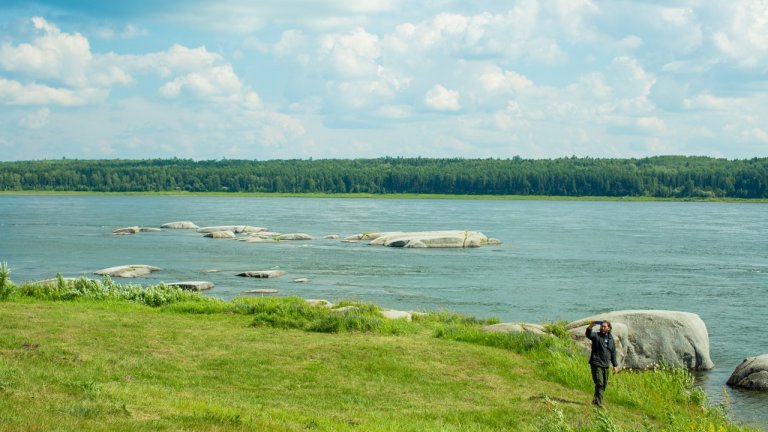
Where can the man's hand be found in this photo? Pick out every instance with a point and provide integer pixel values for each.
(616, 369)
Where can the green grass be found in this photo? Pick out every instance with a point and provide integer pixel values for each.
(100, 356)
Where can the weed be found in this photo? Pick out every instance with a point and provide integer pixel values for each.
(5, 281)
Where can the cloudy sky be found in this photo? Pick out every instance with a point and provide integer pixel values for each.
(277, 79)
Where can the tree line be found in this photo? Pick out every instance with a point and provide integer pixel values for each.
(659, 176)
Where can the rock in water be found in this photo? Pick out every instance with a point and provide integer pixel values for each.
(127, 271)
(752, 373)
(180, 225)
(192, 285)
(263, 274)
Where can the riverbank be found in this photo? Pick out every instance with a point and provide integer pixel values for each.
(102, 356)
(391, 196)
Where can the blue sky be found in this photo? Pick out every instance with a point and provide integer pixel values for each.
(278, 79)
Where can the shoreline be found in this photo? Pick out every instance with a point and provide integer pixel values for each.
(391, 196)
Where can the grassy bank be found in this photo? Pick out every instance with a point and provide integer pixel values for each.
(389, 196)
(94, 355)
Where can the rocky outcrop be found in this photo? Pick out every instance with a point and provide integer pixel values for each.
(319, 303)
(520, 327)
(647, 338)
(134, 230)
(127, 271)
(127, 230)
(331, 237)
(220, 235)
(192, 285)
(180, 225)
(263, 274)
(431, 239)
(752, 373)
(234, 228)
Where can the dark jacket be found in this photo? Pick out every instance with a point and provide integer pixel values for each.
(603, 349)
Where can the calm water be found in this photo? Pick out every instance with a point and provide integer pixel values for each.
(559, 261)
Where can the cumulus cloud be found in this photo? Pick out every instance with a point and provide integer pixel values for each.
(744, 36)
(440, 98)
(35, 119)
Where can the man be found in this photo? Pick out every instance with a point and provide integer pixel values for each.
(602, 357)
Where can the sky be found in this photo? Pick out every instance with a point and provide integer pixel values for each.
(300, 79)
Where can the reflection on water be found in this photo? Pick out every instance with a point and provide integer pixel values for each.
(559, 261)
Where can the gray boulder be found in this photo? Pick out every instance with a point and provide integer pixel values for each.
(396, 314)
(127, 230)
(263, 274)
(647, 338)
(520, 327)
(432, 239)
(752, 373)
(220, 235)
(192, 285)
(180, 225)
(127, 271)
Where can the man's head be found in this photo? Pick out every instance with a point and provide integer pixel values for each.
(605, 327)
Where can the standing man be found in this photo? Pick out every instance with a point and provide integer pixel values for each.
(602, 357)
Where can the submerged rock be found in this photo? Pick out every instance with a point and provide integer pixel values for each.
(263, 274)
(127, 271)
(752, 373)
(294, 236)
(650, 337)
(234, 228)
(192, 285)
(331, 237)
(180, 225)
(261, 291)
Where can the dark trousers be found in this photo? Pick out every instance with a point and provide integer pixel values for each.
(600, 378)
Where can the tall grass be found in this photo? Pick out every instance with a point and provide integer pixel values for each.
(666, 396)
(5, 281)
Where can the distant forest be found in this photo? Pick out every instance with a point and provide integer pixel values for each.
(661, 176)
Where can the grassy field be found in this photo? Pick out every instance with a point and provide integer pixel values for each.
(102, 356)
(388, 196)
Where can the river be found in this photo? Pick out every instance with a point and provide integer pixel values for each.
(560, 260)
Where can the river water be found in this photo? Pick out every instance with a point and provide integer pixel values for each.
(560, 260)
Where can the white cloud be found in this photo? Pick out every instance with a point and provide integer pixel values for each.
(504, 81)
(744, 37)
(440, 98)
(35, 119)
(756, 134)
(52, 55)
(15, 93)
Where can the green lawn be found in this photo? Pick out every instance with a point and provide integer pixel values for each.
(70, 362)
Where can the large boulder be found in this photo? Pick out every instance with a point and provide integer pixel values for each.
(180, 225)
(647, 338)
(220, 235)
(752, 373)
(234, 228)
(432, 239)
(127, 271)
